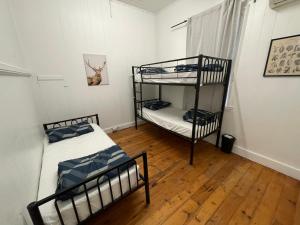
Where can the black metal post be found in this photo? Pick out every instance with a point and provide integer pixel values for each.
(147, 191)
(35, 214)
(196, 108)
(134, 98)
(159, 92)
(97, 120)
(226, 83)
(141, 98)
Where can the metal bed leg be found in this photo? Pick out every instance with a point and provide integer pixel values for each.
(218, 138)
(192, 153)
(136, 123)
(147, 191)
(35, 214)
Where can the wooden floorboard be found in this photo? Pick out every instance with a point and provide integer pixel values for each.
(218, 189)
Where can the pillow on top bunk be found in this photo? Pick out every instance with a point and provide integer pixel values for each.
(66, 132)
(152, 70)
(156, 104)
(202, 116)
(213, 68)
(186, 68)
(194, 67)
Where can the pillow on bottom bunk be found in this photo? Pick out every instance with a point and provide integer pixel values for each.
(75, 171)
(202, 116)
(156, 104)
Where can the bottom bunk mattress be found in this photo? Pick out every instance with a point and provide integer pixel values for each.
(75, 148)
(171, 119)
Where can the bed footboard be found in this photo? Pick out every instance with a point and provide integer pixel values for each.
(142, 181)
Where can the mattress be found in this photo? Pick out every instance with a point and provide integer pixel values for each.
(74, 148)
(181, 78)
(171, 119)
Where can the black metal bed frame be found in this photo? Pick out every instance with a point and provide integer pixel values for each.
(204, 77)
(33, 207)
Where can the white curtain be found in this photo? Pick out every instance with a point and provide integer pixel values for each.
(216, 32)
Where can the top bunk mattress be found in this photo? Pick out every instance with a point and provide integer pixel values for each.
(74, 148)
(181, 78)
(170, 118)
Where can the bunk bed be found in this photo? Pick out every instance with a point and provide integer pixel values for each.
(101, 189)
(197, 72)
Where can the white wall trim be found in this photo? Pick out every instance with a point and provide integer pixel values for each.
(121, 126)
(10, 70)
(267, 161)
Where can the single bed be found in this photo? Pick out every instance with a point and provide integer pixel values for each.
(93, 200)
(171, 119)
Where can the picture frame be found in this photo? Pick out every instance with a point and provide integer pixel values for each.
(283, 57)
(96, 69)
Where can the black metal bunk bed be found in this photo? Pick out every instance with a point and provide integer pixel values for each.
(210, 71)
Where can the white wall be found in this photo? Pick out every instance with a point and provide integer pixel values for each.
(20, 130)
(56, 33)
(10, 49)
(265, 115)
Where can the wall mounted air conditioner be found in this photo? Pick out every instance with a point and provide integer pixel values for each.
(276, 3)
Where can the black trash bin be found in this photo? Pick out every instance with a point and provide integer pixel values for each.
(227, 143)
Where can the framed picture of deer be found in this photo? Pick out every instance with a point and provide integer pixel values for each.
(96, 69)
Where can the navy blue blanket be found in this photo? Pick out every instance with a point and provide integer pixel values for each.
(62, 133)
(194, 67)
(153, 70)
(75, 171)
(202, 117)
(156, 104)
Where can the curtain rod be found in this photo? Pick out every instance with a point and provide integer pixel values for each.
(179, 24)
(187, 20)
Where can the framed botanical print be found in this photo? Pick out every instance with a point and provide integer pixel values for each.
(283, 57)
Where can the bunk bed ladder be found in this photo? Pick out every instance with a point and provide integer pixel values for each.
(134, 96)
(138, 101)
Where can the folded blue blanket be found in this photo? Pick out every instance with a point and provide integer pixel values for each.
(75, 171)
(202, 117)
(153, 70)
(194, 67)
(156, 104)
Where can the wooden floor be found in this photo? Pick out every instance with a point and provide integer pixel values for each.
(218, 189)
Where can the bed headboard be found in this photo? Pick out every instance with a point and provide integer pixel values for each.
(91, 118)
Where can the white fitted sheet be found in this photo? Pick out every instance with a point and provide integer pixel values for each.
(74, 148)
(171, 119)
(180, 78)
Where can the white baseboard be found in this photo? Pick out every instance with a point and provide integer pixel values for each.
(267, 161)
(121, 126)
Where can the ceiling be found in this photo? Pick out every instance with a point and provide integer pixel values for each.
(150, 5)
